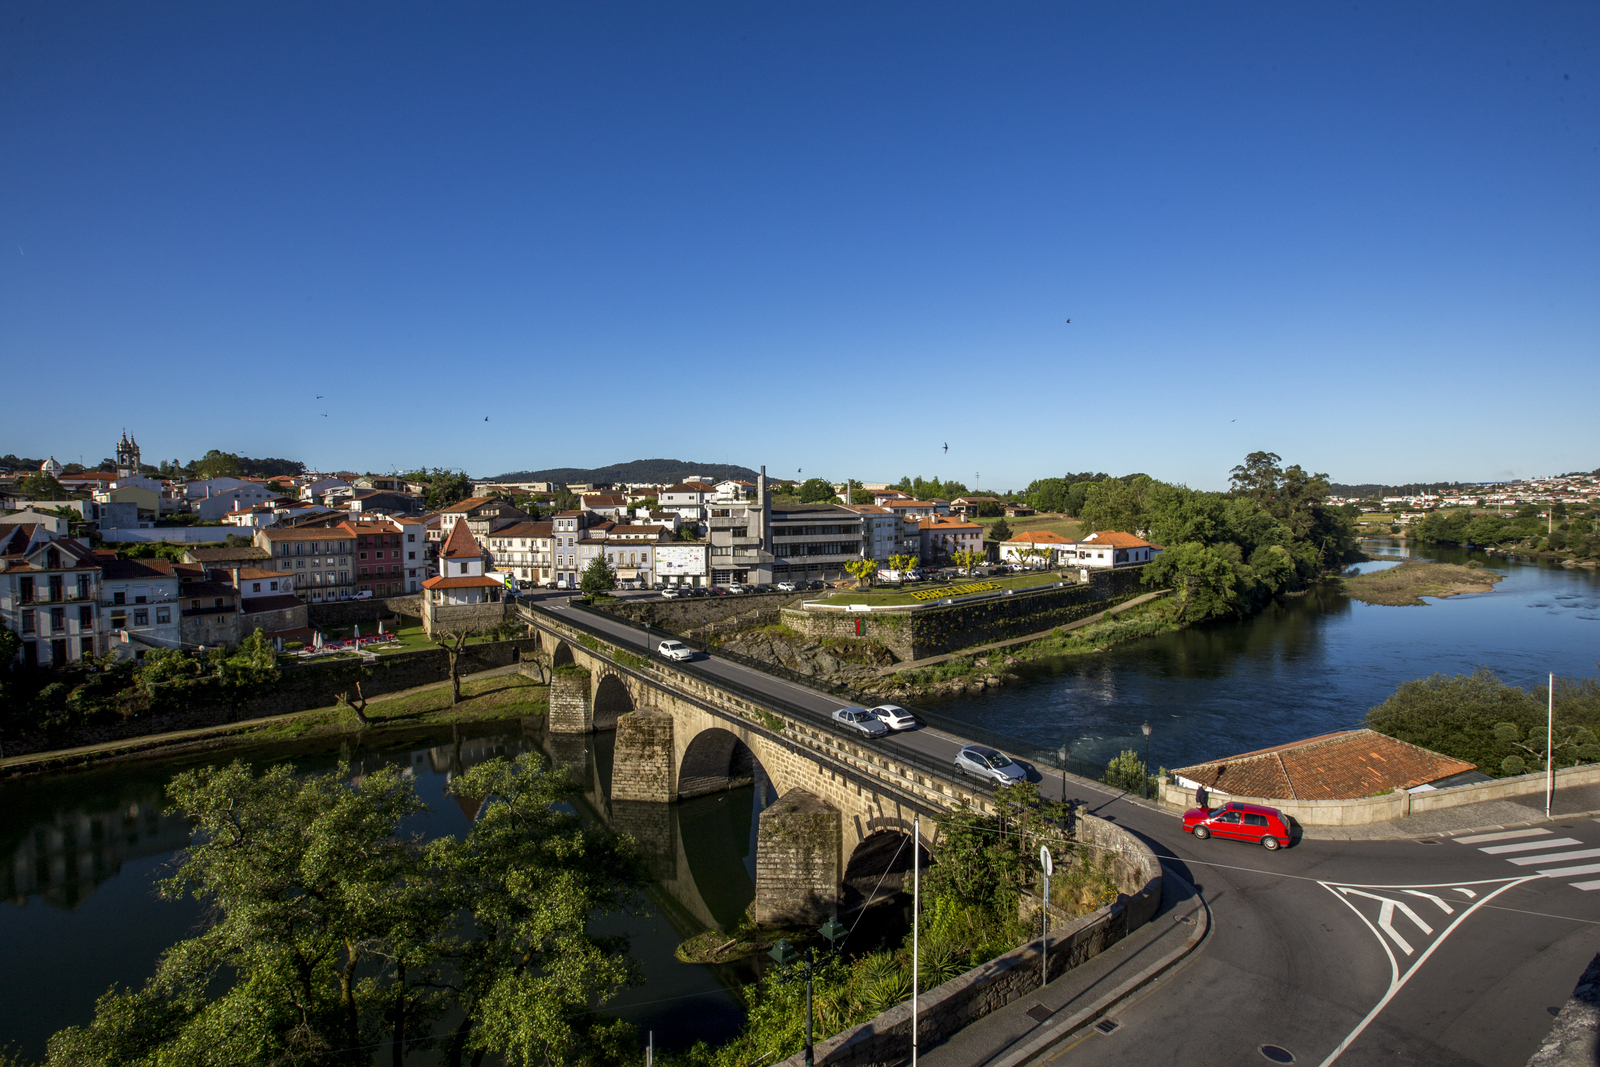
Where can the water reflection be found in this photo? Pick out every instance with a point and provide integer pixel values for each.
(83, 853)
(1309, 664)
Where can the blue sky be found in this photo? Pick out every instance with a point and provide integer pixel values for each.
(830, 237)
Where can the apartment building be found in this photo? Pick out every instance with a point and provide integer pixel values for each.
(760, 543)
(940, 538)
(524, 550)
(483, 516)
(885, 534)
(140, 600)
(49, 596)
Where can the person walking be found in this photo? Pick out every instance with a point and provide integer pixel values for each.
(1201, 797)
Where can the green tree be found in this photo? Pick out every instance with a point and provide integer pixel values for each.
(816, 491)
(967, 559)
(598, 577)
(1000, 531)
(41, 486)
(446, 488)
(1116, 504)
(1207, 579)
(1127, 772)
(861, 496)
(218, 464)
(902, 563)
(566, 500)
(862, 570)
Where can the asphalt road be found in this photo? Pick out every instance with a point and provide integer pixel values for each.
(1349, 952)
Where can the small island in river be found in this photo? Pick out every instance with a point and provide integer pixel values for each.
(1405, 585)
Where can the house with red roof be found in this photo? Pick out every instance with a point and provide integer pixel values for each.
(462, 597)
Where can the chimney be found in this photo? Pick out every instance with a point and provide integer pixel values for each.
(761, 488)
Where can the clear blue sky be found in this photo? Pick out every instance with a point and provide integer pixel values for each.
(830, 237)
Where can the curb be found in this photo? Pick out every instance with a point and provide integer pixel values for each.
(1445, 834)
(1054, 1032)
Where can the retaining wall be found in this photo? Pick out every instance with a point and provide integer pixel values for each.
(886, 1040)
(345, 612)
(1366, 810)
(916, 632)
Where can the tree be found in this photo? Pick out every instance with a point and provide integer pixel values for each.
(1127, 772)
(446, 488)
(566, 500)
(900, 564)
(532, 875)
(598, 577)
(219, 464)
(860, 496)
(41, 486)
(1257, 477)
(1580, 740)
(1000, 532)
(862, 570)
(453, 641)
(967, 559)
(816, 491)
(1206, 577)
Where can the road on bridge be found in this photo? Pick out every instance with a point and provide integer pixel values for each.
(1426, 952)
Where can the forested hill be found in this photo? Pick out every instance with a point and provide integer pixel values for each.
(639, 470)
(1367, 489)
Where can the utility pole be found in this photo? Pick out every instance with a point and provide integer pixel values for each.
(1549, 747)
(916, 924)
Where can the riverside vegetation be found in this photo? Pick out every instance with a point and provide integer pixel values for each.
(1406, 584)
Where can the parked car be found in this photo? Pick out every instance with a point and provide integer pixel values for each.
(817, 583)
(671, 593)
(786, 587)
(735, 588)
(1259, 825)
(894, 717)
(860, 719)
(676, 650)
(365, 594)
(981, 761)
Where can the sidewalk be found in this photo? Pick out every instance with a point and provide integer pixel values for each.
(127, 745)
(1571, 802)
(1030, 1025)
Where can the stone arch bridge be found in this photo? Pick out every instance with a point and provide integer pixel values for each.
(845, 805)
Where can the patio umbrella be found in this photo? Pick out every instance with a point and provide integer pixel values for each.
(355, 634)
(380, 627)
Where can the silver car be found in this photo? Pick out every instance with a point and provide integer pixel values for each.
(981, 761)
(860, 719)
(895, 717)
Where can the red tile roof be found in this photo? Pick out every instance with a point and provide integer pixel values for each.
(1115, 539)
(1339, 766)
(1038, 537)
(460, 583)
(460, 544)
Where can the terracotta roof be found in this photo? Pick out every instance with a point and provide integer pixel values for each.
(469, 504)
(204, 589)
(260, 574)
(1340, 766)
(690, 487)
(466, 582)
(942, 522)
(523, 529)
(1115, 539)
(117, 570)
(1038, 537)
(460, 544)
(223, 555)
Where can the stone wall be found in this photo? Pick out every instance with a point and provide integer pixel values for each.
(886, 1040)
(682, 615)
(570, 708)
(644, 767)
(346, 612)
(916, 633)
(797, 861)
(445, 618)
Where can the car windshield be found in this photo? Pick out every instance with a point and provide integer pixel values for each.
(999, 759)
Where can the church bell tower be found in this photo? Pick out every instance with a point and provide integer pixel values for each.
(127, 456)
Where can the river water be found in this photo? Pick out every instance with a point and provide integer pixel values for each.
(1307, 665)
(80, 853)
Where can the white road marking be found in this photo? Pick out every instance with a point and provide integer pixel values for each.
(1469, 894)
(1386, 917)
(1587, 885)
(1504, 835)
(1396, 980)
(1562, 872)
(1447, 909)
(1524, 846)
(1552, 857)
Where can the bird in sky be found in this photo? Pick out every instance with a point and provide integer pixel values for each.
(1069, 322)
(324, 414)
(486, 418)
(947, 446)
(319, 396)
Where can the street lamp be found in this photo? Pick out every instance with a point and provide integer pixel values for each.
(1144, 784)
(785, 954)
(1063, 754)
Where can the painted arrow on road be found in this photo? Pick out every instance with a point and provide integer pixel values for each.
(1413, 920)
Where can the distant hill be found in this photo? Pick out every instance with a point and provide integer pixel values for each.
(639, 470)
(1372, 489)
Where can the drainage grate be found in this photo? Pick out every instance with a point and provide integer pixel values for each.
(1277, 1054)
(1105, 1026)
(1039, 1013)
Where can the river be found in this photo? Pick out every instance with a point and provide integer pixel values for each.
(83, 853)
(1307, 665)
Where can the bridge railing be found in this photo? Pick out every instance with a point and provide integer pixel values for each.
(819, 722)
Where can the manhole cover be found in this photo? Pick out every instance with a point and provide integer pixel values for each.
(1039, 1013)
(1277, 1054)
(1105, 1026)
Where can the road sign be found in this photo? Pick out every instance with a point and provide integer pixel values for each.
(1045, 861)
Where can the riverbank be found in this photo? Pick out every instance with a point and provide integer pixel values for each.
(1407, 584)
(489, 695)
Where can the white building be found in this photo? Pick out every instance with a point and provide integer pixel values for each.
(885, 534)
(1110, 548)
(688, 499)
(524, 550)
(140, 599)
(49, 596)
(683, 563)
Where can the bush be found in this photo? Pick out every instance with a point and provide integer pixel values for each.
(1127, 772)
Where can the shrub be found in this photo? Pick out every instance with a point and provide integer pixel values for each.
(1127, 772)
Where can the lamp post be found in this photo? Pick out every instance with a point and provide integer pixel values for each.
(1144, 781)
(785, 954)
(1063, 754)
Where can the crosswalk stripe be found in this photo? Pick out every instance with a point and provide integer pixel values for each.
(1554, 857)
(1562, 872)
(1586, 885)
(1504, 835)
(1528, 846)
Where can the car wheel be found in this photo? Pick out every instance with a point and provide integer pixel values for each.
(1201, 832)
(1270, 843)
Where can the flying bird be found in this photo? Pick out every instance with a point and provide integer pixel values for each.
(324, 414)
(1069, 322)
(947, 446)
(319, 396)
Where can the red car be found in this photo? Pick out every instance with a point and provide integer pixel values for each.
(1246, 822)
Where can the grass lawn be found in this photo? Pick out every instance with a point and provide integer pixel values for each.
(508, 696)
(1014, 581)
(412, 638)
(1067, 527)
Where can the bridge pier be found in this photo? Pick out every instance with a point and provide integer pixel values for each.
(644, 767)
(797, 860)
(571, 711)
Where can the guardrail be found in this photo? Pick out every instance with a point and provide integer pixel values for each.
(819, 722)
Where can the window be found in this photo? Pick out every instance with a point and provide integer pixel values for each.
(411, 537)
(194, 605)
(163, 615)
(255, 587)
(119, 598)
(411, 555)
(141, 617)
(344, 576)
(58, 620)
(217, 603)
(361, 555)
(463, 568)
(274, 586)
(27, 622)
(85, 617)
(140, 599)
(25, 590)
(1255, 820)
(85, 646)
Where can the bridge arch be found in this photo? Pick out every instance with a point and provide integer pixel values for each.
(611, 700)
(714, 760)
(560, 651)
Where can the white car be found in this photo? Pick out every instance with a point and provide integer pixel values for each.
(735, 587)
(786, 587)
(981, 761)
(894, 717)
(670, 593)
(860, 719)
(676, 650)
